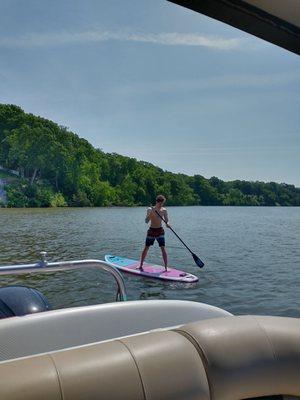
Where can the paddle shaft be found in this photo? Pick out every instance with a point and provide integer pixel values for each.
(173, 231)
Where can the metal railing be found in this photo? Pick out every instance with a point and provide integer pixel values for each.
(44, 266)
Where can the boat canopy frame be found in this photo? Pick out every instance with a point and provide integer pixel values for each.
(44, 266)
(277, 22)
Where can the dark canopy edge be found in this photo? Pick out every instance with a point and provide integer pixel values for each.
(250, 19)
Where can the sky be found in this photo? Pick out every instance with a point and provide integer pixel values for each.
(158, 82)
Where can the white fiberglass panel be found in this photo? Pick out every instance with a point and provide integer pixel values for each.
(60, 329)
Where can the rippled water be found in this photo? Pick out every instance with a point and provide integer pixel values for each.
(252, 255)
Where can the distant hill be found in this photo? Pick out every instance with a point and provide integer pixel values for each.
(58, 168)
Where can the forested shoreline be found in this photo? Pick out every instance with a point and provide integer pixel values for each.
(57, 168)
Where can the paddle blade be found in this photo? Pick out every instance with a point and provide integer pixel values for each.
(198, 261)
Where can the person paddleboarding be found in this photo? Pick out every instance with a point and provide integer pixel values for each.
(156, 231)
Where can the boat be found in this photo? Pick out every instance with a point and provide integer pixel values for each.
(275, 21)
(155, 349)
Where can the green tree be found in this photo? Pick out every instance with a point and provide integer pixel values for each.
(59, 167)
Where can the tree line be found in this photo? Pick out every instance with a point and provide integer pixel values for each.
(58, 168)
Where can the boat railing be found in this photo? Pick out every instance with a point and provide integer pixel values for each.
(43, 266)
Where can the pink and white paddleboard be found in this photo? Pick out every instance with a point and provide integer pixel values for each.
(150, 270)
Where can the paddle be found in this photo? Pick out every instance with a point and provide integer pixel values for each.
(195, 257)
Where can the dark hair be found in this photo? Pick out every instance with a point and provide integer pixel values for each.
(160, 198)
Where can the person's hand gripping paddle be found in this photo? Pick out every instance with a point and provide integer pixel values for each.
(195, 257)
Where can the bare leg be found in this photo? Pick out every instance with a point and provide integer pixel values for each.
(165, 257)
(143, 256)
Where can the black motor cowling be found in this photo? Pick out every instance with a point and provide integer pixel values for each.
(21, 300)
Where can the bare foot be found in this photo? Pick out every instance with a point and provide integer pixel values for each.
(167, 269)
(140, 267)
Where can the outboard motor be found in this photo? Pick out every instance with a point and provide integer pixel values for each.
(21, 300)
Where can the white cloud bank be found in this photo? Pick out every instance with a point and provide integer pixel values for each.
(167, 39)
(227, 81)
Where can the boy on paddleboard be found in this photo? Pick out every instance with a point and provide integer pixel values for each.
(156, 231)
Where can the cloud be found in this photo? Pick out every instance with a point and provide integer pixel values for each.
(167, 39)
(178, 150)
(232, 81)
(180, 39)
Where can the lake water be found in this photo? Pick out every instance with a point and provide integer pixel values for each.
(251, 255)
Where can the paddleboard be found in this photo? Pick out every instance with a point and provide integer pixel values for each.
(149, 270)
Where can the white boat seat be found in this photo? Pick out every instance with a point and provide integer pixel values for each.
(159, 365)
(225, 358)
(60, 329)
(249, 356)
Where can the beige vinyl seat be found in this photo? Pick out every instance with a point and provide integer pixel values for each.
(224, 358)
(249, 356)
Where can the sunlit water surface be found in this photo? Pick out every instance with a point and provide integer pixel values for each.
(251, 255)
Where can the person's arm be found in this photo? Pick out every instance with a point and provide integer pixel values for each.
(147, 219)
(166, 218)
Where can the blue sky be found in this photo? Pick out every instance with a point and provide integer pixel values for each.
(157, 82)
